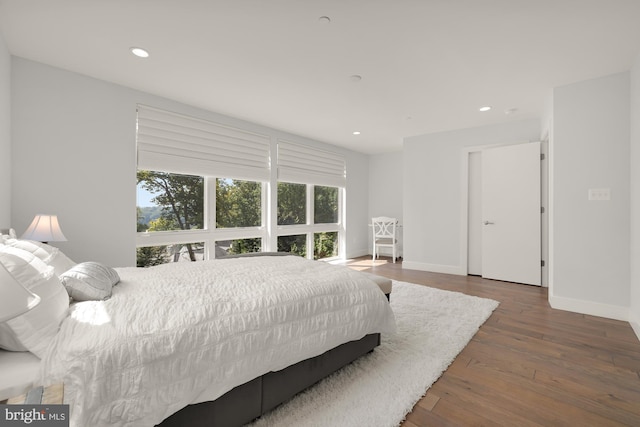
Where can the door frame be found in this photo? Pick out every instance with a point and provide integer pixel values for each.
(464, 204)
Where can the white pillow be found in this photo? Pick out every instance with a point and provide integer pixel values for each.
(34, 329)
(9, 232)
(50, 255)
(89, 281)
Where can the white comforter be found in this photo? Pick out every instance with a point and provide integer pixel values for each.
(184, 333)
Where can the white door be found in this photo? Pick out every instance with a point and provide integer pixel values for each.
(511, 248)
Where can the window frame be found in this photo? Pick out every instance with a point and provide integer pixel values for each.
(210, 233)
(310, 228)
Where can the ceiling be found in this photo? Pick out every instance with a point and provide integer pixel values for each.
(426, 65)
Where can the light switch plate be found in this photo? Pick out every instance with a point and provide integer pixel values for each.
(599, 194)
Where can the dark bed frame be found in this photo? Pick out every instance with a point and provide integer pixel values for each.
(259, 396)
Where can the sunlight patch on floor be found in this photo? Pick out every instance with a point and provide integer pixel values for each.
(362, 264)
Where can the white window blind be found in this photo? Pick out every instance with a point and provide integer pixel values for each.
(307, 165)
(176, 143)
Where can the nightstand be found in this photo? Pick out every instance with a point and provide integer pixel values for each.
(50, 395)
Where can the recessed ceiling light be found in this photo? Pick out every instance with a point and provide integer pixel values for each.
(355, 77)
(511, 111)
(139, 52)
(485, 108)
(356, 132)
(324, 20)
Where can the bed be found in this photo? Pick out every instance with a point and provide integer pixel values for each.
(224, 339)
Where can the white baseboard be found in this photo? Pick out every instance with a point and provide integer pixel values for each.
(387, 252)
(589, 307)
(358, 253)
(435, 268)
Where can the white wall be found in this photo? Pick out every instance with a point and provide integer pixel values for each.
(634, 309)
(74, 156)
(432, 191)
(5, 135)
(590, 149)
(385, 190)
(357, 203)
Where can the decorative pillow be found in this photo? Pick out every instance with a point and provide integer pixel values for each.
(89, 281)
(50, 255)
(33, 330)
(9, 232)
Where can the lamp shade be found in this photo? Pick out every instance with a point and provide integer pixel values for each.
(44, 228)
(15, 299)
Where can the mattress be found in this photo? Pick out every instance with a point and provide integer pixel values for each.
(185, 333)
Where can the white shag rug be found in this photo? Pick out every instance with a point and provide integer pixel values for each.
(381, 388)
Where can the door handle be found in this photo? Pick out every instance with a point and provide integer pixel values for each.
(488, 223)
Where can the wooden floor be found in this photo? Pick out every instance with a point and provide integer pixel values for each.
(528, 365)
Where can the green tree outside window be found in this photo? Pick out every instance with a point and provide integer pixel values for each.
(181, 199)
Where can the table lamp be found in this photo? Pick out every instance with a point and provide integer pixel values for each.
(44, 228)
(16, 299)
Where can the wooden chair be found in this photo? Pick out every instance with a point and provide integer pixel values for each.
(384, 235)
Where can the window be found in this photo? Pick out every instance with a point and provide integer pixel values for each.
(168, 201)
(325, 205)
(310, 183)
(206, 190)
(147, 256)
(239, 246)
(238, 203)
(314, 209)
(296, 244)
(292, 203)
(325, 245)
